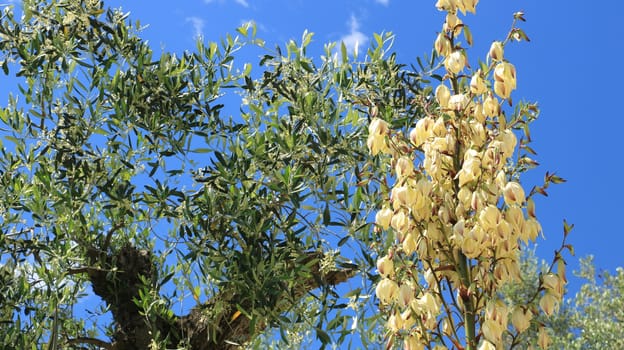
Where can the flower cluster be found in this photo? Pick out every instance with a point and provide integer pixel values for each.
(456, 206)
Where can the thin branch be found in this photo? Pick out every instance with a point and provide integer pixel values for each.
(85, 269)
(109, 235)
(90, 341)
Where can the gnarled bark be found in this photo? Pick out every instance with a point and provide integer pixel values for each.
(199, 329)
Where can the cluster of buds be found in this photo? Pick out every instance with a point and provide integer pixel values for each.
(459, 213)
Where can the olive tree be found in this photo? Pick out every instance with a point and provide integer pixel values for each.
(183, 200)
(589, 319)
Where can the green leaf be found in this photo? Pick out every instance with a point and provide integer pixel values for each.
(306, 38)
(326, 215)
(567, 228)
(322, 336)
(353, 293)
(468, 35)
(343, 240)
(202, 150)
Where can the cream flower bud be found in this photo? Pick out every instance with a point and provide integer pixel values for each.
(513, 193)
(428, 303)
(376, 144)
(446, 5)
(443, 95)
(408, 319)
(543, 339)
(443, 214)
(492, 330)
(433, 233)
(455, 62)
(491, 159)
(447, 328)
(505, 72)
(422, 131)
(470, 5)
(441, 144)
(509, 142)
(442, 45)
(439, 127)
(500, 179)
(470, 247)
(477, 83)
(459, 228)
(478, 113)
(477, 133)
(496, 51)
(486, 345)
(408, 244)
(553, 284)
(404, 167)
(387, 291)
(478, 234)
(521, 318)
(404, 196)
(395, 323)
(491, 107)
(476, 201)
(383, 218)
(464, 195)
(377, 131)
(385, 266)
(471, 168)
(412, 342)
(489, 218)
(458, 102)
(406, 295)
(504, 79)
(503, 230)
(502, 90)
(430, 278)
(497, 311)
(549, 304)
(378, 127)
(452, 23)
(400, 222)
(530, 230)
(515, 217)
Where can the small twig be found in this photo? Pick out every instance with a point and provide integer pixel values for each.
(91, 341)
(109, 235)
(85, 269)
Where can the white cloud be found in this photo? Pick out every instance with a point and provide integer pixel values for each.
(383, 2)
(355, 38)
(243, 3)
(198, 25)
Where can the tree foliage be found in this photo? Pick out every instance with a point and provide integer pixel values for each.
(589, 319)
(595, 315)
(124, 178)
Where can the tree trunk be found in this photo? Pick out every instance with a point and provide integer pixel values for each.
(229, 330)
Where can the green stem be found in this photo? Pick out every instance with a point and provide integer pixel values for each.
(462, 261)
(469, 313)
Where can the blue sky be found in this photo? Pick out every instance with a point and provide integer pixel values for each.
(570, 67)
